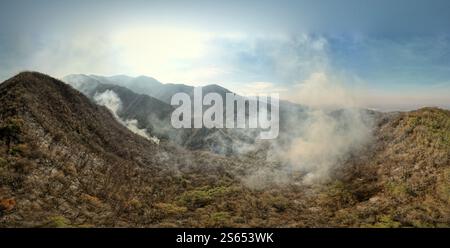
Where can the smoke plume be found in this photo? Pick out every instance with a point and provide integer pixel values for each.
(334, 127)
(110, 100)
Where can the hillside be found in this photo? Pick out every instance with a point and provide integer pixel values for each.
(410, 169)
(63, 155)
(65, 161)
(57, 142)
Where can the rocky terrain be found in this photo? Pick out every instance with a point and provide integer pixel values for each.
(67, 162)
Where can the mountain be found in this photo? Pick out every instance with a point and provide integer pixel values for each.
(68, 162)
(150, 113)
(64, 159)
(142, 84)
(156, 119)
(153, 113)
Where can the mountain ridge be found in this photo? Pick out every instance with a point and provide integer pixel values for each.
(67, 162)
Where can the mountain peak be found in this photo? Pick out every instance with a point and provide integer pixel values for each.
(216, 87)
(38, 88)
(27, 77)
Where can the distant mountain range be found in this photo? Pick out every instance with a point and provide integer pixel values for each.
(66, 161)
(148, 101)
(154, 115)
(142, 85)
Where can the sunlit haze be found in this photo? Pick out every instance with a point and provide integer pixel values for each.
(381, 54)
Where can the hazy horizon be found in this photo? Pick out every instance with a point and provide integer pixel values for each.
(386, 107)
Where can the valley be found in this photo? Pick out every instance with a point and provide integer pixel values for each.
(67, 161)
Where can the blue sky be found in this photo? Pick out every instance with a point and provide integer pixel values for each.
(387, 54)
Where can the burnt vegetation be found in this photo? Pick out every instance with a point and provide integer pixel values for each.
(66, 162)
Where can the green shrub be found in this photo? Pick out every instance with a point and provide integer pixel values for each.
(170, 209)
(58, 222)
(220, 218)
(280, 203)
(397, 189)
(385, 221)
(195, 199)
(201, 197)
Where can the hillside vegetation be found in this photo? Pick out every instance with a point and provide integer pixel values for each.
(67, 162)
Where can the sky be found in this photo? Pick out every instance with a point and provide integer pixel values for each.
(388, 55)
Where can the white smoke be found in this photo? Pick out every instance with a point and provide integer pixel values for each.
(321, 91)
(334, 128)
(110, 100)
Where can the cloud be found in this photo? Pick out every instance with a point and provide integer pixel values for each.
(160, 51)
(121, 39)
(200, 75)
(259, 88)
